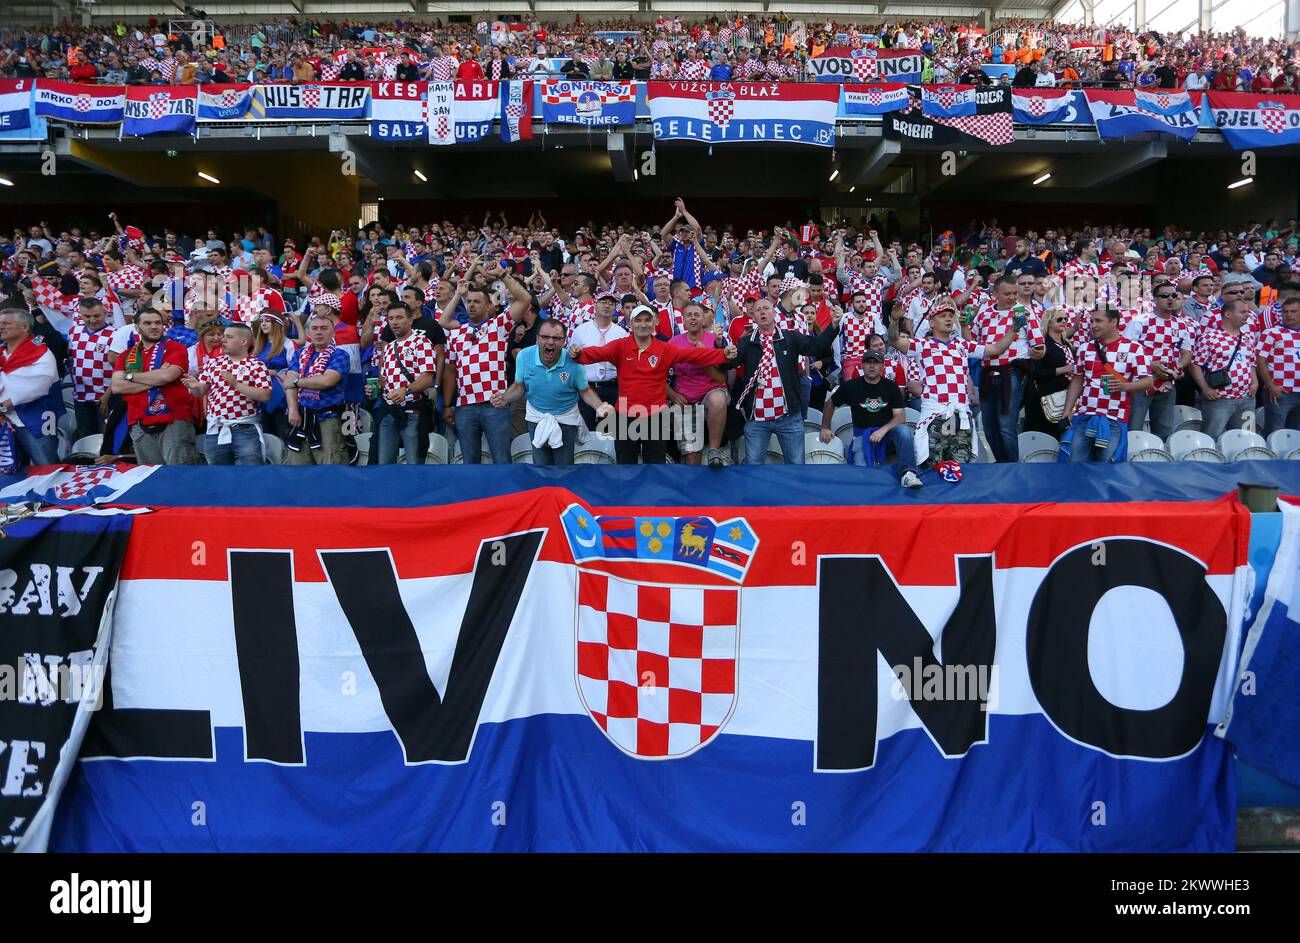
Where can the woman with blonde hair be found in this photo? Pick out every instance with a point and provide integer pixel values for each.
(273, 348)
(1049, 377)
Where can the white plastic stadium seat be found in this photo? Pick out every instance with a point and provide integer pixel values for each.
(1285, 443)
(1146, 447)
(439, 451)
(774, 454)
(521, 449)
(485, 453)
(68, 423)
(812, 426)
(272, 449)
(1038, 447)
(1240, 446)
(597, 450)
(842, 424)
(1187, 417)
(88, 448)
(911, 416)
(65, 445)
(365, 422)
(363, 448)
(817, 452)
(1189, 446)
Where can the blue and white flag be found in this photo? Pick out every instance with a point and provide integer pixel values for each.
(476, 106)
(80, 104)
(1040, 105)
(1120, 114)
(1167, 102)
(15, 104)
(877, 99)
(948, 101)
(314, 102)
(158, 109)
(516, 111)
(399, 111)
(224, 102)
(607, 104)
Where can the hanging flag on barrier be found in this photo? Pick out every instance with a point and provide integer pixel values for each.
(160, 109)
(964, 677)
(399, 111)
(736, 112)
(516, 110)
(1122, 113)
(80, 104)
(316, 101)
(15, 99)
(1250, 121)
(877, 99)
(842, 64)
(1040, 105)
(607, 104)
(477, 105)
(224, 102)
(948, 101)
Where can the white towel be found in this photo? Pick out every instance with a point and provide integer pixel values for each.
(932, 411)
(547, 432)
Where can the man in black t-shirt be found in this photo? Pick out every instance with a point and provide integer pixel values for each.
(878, 408)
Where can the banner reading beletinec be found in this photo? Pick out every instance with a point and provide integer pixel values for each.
(528, 672)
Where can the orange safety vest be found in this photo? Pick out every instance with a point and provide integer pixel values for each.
(1267, 295)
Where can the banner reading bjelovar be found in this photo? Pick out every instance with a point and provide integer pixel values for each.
(58, 572)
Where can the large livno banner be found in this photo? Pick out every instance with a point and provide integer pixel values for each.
(527, 672)
(58, 571)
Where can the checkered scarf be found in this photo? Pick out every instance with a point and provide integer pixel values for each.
(135, 363)
(766, 364)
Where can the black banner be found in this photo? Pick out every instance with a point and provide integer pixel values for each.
(57, 573)
(991, 105)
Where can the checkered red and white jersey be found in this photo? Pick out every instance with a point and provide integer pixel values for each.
(1280, 348)
(944, 367)
(443, 68)
(992, 324)
(479, 354)
(874, 289)
(751, 70)
(660, 45)
(1125, 360)
(575, 313)
(694, 70)
(249, 306)
(735, 289)
(1094, 269)
(88, 360)
(854, 332)
(1164, 340)
(663, 69)
(1213, 351)
(415, 353)
(1269, 316)
(128, 278)
(224, 402)
(769, 393)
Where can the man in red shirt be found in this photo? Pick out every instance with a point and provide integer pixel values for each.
(159, 409)
(470, 71)
(643, 362)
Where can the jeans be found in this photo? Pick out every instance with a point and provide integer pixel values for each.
(89, 421)
(561, 456)
(999, 422)
(475, 420)
(900, 437)
(1284, 415)
(1222, 414)
(399, 428)
(1161, 408)
(788, 431)
(1082, 448)
(36, 449)
(244, 447)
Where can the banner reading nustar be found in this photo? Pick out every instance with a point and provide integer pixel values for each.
(58, 571)
(740, 112)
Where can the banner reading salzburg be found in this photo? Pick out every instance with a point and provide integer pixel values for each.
(527, 672)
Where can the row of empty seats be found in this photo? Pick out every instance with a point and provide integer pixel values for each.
(1185, 445)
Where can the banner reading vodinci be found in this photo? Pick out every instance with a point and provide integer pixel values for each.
(58, 572)
(531, 672)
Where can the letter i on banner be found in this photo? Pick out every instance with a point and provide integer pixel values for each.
(438, 113)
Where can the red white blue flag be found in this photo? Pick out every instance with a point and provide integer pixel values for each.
(742, 112)
(1248, 121)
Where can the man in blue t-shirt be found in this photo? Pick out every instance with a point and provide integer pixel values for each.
(552, 381)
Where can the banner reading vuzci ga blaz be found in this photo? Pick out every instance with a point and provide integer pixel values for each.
(527, 672)
(57, 574)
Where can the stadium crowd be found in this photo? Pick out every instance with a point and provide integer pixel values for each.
(677, 339)
(736, 48)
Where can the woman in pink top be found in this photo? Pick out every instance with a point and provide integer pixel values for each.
(696, 384)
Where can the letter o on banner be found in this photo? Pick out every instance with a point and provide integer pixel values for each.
(1057, 647)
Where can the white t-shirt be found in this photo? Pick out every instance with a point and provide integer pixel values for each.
(589, 334)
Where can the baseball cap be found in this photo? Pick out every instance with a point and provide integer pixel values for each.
(873, 355)
(640, 310)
